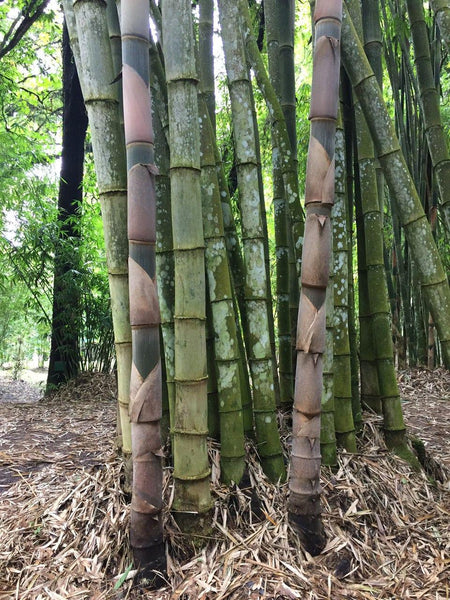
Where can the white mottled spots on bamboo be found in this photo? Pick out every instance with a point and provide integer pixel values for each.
(169, 346)
(259, 330)
(281, 252)
(215, 256)
(209, 190)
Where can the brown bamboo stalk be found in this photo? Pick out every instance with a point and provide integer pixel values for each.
(304, 483)
(146, 531)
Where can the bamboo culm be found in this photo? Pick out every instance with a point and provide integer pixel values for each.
(432, 275)
(146, 530)
(304, 483)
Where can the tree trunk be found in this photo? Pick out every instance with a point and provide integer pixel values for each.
(64, 352)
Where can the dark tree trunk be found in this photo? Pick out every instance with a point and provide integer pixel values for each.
(64, 352)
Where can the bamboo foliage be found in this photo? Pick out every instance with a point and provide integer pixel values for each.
(304, 484)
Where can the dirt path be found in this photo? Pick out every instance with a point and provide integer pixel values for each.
(65, 431)
(19, 392)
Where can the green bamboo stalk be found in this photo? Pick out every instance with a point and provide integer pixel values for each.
(212, 389)
(304, 484)
(282, 138)
(429, 97)
(373, 44)
(259, 350)
(287, 71)
(370, 391)
(146, 529)
(115, 43)
(342, 358)
(272, 26)
(365, 184)
(328, 447)
(373, 47)
(442, 11)
(280, 221)
(417, 229)
(192, 496)
(288, 106)
(347, 112)
(164, 242)
(206, 56)
(164, 264)
(89, 38)
(237, 268)
(378, 304)
(226, 347)
(232, 241)
(265, 240)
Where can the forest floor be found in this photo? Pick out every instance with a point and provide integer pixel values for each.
(64, 515)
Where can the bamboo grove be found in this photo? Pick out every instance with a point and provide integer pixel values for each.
(208, 343)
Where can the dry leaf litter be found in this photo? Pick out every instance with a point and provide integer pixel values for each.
(64, 515)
